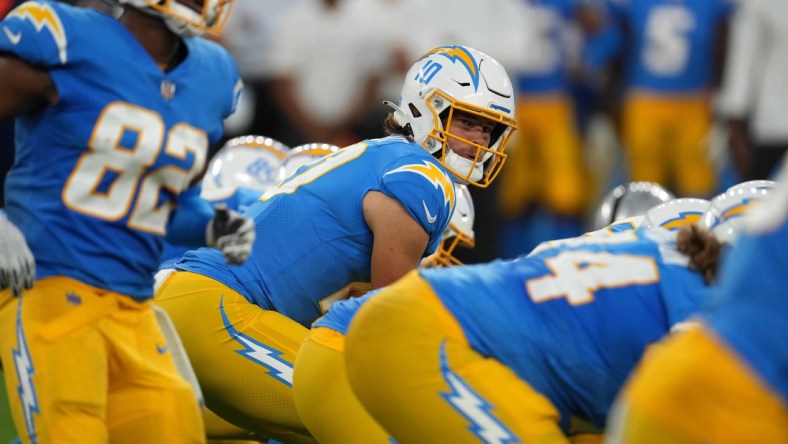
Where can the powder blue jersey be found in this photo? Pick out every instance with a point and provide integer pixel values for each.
(671, 43)
(98, 174)
(313, 242)
(750, 308)
(573, 320)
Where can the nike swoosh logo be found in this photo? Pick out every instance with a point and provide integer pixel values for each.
(162, 349)
(430, 218)
(14, 38)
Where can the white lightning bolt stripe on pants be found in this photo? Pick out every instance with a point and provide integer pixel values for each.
(242, 354)
(396, 372)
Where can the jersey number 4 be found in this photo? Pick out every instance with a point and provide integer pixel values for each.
(576, 275)
(132, 189)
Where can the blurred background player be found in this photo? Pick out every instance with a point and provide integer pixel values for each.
(724, 381)
(330, 410)
(114, 118)
(672, 56)
(357, 219)
(512, 350)
(753, 98)
(544, 192)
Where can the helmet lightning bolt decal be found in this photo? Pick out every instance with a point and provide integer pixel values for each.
(42, 16)
(260, 353)
(684, 219)
(433, 174)
(473, 407)
(460, 54)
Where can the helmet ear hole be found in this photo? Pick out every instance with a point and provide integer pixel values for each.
(414, 111)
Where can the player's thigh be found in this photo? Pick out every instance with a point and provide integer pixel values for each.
(691, 153)
(643, 138)
(406, 354)
(694, 389)
(243, 355)
(324, 399)
(149, 401)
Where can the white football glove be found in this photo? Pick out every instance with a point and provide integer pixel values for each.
(17, 265)
(232, 233)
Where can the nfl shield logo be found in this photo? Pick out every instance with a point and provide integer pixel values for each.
(167, 89)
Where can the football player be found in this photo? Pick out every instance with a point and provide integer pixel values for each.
(511, 351)
(724, 381)
(330, 410)
(114, 118)
(357, 219)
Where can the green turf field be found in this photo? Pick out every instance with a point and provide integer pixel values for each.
(7, 432)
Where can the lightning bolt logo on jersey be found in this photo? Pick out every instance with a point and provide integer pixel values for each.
(111, 160)
(473, 407)
(42, 16)
(314, 222)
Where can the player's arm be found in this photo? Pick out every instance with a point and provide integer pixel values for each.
(24, 87)
(399, 241)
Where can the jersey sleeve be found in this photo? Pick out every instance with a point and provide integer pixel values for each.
(36, 31)
(427, 193)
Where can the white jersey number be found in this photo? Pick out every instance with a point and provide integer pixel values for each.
(316, 169)
(578, 274)
(131, 188)
(667, 47)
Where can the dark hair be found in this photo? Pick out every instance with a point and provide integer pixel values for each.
(703, 250)
(391, 127)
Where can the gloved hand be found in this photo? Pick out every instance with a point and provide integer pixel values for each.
(17, 265)
(231, 233)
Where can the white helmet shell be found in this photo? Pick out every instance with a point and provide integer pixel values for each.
(628, 200)
(185, 21)
(725, 218)
(459, 232)
(676, 213)
(449, 80)
(302, 155)
(245, 161)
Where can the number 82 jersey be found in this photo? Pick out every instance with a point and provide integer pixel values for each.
(98, 173)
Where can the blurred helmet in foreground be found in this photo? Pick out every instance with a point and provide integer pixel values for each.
(631, 199)
(302, 155)
(676, 213)
(725, 215)
(458, 233)
(245, 161)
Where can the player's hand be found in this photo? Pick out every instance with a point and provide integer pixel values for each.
(232, 234)
(17, 265)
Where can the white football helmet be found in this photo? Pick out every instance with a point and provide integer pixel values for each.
(628, 200)
(302, 155)
(452, 79)
(724, 217)
(187, 18)
(459, 232)
(245, 161)
(676, 213)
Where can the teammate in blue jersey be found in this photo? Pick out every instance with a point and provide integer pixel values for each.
(114, 117)
(357, 219)
(724, 382)
(672, 68)
(330, 411)
(510, 351)
(242, 169)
